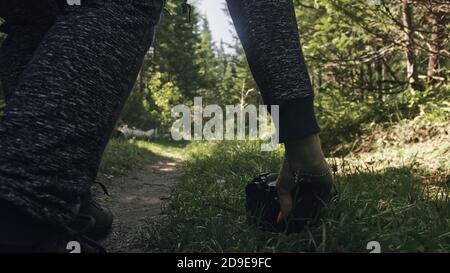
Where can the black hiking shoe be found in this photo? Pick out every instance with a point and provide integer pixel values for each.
(22, 234)
(99, 216)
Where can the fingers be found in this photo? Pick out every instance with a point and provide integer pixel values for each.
(286, 203)
(285, 185)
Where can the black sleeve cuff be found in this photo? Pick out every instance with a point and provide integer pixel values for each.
(297, 120)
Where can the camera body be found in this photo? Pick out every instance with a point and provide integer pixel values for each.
(263, 204)
(310, 195)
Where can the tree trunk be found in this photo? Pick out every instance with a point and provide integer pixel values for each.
(411, 66)
(369, 78)
(362, 82)
(379, 70)
(437, 20)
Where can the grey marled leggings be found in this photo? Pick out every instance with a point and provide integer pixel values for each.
(67, 74)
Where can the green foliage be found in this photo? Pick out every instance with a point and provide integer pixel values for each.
(360, 48)
(150, 107)
(122, 156)
(181, 65)
(344, 120)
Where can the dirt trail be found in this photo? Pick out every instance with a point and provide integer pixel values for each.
(136, 199)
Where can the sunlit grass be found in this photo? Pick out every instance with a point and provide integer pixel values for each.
(166, 148)
(122, 156)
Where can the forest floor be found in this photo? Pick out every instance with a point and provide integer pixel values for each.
(136, 199)
(135, 194)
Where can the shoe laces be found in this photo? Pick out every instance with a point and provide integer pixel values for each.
(103, 187)
(88, 222)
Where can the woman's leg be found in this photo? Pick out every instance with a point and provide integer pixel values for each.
(59, 118)
(27, 23)
(269, 34)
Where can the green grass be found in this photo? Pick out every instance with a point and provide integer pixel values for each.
(206, 213)
(122, 156)
(166, 148)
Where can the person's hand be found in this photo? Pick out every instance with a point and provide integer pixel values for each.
(304, 157)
